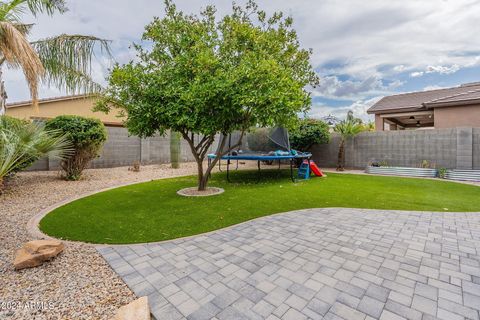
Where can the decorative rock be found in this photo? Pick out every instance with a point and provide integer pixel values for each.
(34, 253)
(136, 310)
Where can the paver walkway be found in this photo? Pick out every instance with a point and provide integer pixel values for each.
(318, 264)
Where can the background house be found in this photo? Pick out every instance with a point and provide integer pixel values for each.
(80, 105)
(442, 108)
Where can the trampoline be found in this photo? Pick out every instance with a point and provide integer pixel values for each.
(276, 138)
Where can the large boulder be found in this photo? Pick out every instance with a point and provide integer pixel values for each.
(34, 253)
(136, 310)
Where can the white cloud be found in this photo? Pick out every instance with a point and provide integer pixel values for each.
(416, 74)
(358, 107)
(408, 35)
(436, 69)
(443, 69)
(434, 87)
(332, 87)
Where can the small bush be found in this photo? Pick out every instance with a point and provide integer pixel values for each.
(442, 172)
(87, 136)
(308, 133)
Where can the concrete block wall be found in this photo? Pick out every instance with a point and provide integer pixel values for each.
(448, 148)
(464, 148)
(476, 148)
(445, 148)
(121, 149)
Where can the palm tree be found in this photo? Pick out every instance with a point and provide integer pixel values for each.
(347, 128)
(63, 61)
(23, 142)
(369, 126)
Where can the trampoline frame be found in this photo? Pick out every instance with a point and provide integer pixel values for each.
(259, 158)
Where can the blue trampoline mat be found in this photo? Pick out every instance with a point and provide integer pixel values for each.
(258, 157)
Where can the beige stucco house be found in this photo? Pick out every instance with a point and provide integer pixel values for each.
(80, 105)
(442, 108)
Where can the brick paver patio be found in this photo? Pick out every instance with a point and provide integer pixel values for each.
(314, 264)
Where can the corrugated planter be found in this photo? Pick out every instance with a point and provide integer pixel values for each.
(403, 171)
(463, 175)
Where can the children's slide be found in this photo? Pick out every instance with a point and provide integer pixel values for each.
(315, 169)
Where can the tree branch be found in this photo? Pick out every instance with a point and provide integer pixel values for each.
(207, 145)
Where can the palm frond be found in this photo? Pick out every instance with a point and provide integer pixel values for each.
(24, 28)
(12, 10)
(46, 6)
(21, 144)
(18, 53)
(67, 60)
(73, 80)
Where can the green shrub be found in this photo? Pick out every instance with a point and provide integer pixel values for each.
(308, 133)
(87, 137)
(442, 172)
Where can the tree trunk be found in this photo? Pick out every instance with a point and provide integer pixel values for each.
(202, 178)
(175, 149)
(200, 150)
(3, 95)
(341, 156)
(202, 183)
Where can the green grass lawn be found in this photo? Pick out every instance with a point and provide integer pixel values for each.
(153, 211)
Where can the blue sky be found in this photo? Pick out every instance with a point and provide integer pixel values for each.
(362, 50)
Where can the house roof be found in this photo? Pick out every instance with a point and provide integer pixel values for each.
(421, 100)
(40, 101)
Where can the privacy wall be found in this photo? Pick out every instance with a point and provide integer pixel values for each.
(444, 148)
(457, 148)
(123, 150)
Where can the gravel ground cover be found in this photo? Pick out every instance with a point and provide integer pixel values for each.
(78, 284)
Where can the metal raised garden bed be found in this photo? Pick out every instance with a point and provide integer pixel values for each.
(403, 171)
(464, 175)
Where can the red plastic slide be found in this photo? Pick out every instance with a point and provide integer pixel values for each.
(315, 169)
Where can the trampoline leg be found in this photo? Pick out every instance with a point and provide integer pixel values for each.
(209, 162)
(228, 170)
(291, 170)
(279, 161)
(258, 171)
(237, 166)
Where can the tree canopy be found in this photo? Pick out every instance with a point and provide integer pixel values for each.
(201, 76)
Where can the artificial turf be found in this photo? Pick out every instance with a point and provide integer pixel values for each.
(152, 211)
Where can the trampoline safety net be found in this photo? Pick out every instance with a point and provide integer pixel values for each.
(257, 141)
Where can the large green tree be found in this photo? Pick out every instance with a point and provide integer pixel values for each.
(202, 76)
(63, 61)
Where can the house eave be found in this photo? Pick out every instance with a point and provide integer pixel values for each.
(457, 103)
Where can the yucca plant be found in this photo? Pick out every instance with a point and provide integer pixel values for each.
(63, 61)
(22, 143)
